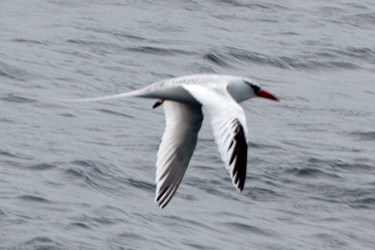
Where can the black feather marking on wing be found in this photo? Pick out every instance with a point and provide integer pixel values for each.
(161, 193)
(230, 146)
(239, 155)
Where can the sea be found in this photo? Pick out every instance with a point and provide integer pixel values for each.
(82, 175)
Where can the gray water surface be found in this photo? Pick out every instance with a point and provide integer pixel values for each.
(81, 175)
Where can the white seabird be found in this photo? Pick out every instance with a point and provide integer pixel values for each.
(186, 99)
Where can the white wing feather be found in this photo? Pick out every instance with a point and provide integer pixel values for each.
(178, 143)
(229, 127)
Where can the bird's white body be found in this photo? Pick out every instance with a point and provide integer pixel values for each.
(186, 99)
(174, 89)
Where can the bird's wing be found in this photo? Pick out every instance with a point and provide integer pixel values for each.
(229, 127)
(178, 142)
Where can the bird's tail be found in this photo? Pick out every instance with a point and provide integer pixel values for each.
(93, 99)
(26, 94)
(144, 92)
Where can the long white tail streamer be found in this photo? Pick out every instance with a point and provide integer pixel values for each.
(26, 94)
(92, 99)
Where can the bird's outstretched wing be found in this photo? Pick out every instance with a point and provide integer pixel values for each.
(229, 127)
(178, 143)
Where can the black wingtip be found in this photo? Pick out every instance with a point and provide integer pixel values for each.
(165, 196)
(161, 193)
(239, 156)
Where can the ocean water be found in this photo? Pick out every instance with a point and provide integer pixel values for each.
(81, 175)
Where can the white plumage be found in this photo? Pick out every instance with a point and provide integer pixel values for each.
(186, 100)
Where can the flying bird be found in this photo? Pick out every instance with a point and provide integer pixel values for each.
(186, 100)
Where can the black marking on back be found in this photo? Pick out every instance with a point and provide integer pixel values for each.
(239, 155)
(157, 104)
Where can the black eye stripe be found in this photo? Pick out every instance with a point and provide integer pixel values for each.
(255, 87)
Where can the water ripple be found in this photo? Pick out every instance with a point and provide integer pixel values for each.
(216, 59)
(17, 99)
(42, 166)
(140, 184)
(344, 58)
(157, 51)
(13, 72)
(33, 198)
(252, 5)
(262, 194)
(28, 41)
(248, 228)
(365, 136)
(111, 112)
(7, 154)
(311, 172)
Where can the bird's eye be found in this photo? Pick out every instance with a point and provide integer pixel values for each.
(255, 88)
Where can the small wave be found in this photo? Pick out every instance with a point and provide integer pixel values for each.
(67, 115)
(74, 172)
(157, 50)
(15, 155)
(366, 136)
(254, 145)
(196, 246)
(88, 164)
(350, 166)
(248, 228)
(338, 164)
(258, 58)
(117, 34)
(97, 47)
(363, 20)
(358, 198)
(142, 185)
(18, 99)
(96, 175)
(28, 41)
(111, 112)
(187, 222)
(325, 59)
(6, 120)
(212, 57)
(79, 225)
(132, 236)
(252, 5)
(8, 154)
(365, 54)
(12, 72)
(43, 242)
(362, 198)
(42, 166)
(331, 241)
(262, 194)
(208, 185)
(39, 239)
(310, 172)
(33, 198)
(365, 203)
(350, 113)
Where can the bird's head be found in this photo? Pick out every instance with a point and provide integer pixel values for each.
(259, 92)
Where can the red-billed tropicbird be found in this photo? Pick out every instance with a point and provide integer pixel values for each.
(185, 101)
